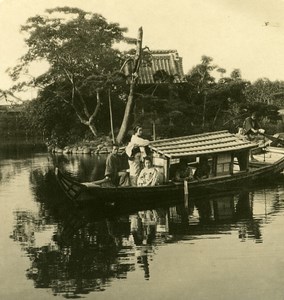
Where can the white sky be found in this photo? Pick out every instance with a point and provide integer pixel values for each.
(233, 32)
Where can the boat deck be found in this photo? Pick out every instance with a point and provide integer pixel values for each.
(269, 157)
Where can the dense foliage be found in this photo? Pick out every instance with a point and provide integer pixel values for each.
(82, 62)
(85, 76)
(208, 101)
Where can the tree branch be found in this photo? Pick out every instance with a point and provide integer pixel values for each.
(85, 108)
(94, 114)
(128, 60)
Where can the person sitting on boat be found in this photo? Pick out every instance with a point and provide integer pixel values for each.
(203, 169)
(138, 141)
(183, 172)
(252, 128)
(135, 167)
(149, 176)
(252, 131)
(113, 175)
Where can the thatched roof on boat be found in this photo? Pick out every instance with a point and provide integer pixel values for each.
(201, 144)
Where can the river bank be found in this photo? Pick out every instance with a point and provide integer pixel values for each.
(102, 145)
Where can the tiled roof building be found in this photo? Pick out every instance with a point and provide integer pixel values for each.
(164, 64)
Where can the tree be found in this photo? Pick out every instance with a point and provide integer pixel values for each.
(214, 103)
(39, 115)
(132, 84)
(9, 97)
(82, 62)
(266, 91)
(236, 74)
(201, 79)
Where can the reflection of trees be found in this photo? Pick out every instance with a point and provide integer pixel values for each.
(83, 167)
(89, 262)
(82, 254)
(22, 148)
(10, 168)
(77, 259)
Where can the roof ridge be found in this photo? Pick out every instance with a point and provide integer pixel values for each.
(163, 51)
(193, 135)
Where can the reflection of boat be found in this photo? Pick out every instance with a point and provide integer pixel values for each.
(215, 216)
(226, 156)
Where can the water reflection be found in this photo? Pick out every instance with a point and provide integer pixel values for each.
(82, 167)
(74, 252)
(213, 217)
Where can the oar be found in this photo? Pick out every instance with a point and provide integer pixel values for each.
(273, 138)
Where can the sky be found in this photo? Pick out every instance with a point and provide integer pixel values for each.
(243, 34)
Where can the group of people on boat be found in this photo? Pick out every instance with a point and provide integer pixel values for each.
(141, 171)
(184, 172)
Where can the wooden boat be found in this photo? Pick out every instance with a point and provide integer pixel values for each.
(227, 156)
(78, 192)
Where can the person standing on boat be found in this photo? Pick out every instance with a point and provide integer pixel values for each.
(252, 128)
(137, 141)
(149, 176)
(135, 167)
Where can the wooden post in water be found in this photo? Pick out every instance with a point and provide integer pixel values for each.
(185, 190)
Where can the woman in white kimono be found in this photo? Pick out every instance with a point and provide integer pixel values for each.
(149, 176)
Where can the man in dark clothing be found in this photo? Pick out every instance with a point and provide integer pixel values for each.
(112, 166)
(203, 169)
(253, 131)
(113, 175)
(183, 172)
(252, 128)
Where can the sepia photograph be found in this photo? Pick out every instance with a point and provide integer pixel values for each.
(142, 149)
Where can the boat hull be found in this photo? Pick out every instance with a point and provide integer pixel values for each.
(166, 193)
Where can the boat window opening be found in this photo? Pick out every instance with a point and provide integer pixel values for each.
(224, 164)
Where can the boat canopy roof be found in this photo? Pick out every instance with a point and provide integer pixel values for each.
(201, 144)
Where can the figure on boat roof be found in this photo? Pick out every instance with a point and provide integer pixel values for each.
(252, 129)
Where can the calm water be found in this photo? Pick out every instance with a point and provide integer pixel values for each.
(229, 247)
